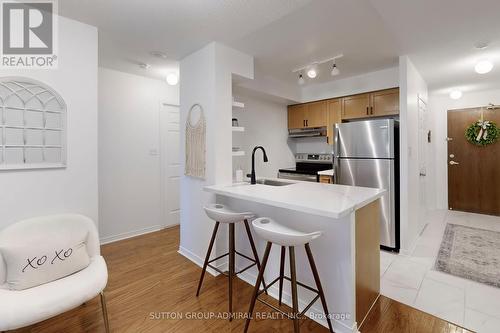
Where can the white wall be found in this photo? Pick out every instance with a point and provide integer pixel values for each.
(412, 85)
(73, 189)
(206, 78)
(265, 123)
(439, 104)
(129, 161)
(383, 79)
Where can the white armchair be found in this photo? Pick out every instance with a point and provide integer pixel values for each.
(20, 308)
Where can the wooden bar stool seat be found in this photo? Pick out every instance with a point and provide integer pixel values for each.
(222, 214)
(275, 233)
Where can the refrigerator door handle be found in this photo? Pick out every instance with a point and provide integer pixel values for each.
(336, 154)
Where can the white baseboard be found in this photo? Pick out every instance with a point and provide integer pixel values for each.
(199, 261)
(130, 234)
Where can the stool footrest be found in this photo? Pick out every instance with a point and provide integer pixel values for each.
(301, 314)
(209, 264)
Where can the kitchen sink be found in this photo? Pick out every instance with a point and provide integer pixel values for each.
(271, 182)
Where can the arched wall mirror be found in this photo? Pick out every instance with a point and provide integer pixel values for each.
(32, 125)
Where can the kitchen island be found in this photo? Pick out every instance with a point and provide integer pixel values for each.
(347, 254)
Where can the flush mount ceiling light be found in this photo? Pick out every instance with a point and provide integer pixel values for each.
(301, 80)
(455, 94)
(483, 66)
(144, 65)
(158, 54)
(172, 79)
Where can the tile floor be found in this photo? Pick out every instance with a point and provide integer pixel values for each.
(412, 279)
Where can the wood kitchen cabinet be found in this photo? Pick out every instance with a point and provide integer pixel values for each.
(307, 115)
(385, 102)
(296, 116)
(357, 106)
(375, 104)
(316, 114)
(325, 179)
(334, 116)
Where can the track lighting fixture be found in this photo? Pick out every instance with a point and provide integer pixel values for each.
(301, 80)
(311, 70)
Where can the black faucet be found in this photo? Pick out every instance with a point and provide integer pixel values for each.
(253, 180)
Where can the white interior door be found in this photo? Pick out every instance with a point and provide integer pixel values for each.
(170, 163)
(422, 160)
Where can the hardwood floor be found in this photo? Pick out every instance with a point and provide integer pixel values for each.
(151, 286)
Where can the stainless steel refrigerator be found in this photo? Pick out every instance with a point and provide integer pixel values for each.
(366, 153)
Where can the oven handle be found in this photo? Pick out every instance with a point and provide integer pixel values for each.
(294, 176)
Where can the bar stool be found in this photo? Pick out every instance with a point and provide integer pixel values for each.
(222, 214)
(276, 233)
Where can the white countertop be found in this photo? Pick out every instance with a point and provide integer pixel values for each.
(326, 173)
(330, 200)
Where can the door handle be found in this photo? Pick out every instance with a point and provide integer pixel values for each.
(454, 163)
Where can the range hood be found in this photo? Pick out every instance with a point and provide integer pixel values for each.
(306, 132)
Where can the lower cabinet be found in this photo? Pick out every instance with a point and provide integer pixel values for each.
(325, 179)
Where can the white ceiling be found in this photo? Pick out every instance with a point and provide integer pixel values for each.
(284, 34)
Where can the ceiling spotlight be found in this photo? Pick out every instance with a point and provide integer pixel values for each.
(158, 54)
(483, 66)
(172, 79)
(144, 65)
(455, 94)
(312, 73)
(335, 71)
(301, 80)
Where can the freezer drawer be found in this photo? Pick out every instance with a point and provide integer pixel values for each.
(376, 173)
(365, 139)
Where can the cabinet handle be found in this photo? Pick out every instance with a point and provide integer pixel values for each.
(307, 122)
(303, 123)
(371, 109)
(367, 110)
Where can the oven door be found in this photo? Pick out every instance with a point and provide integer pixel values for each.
(298, 176)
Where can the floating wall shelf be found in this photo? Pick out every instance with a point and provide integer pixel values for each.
(238, 153)
(238, 129)
(238, 105)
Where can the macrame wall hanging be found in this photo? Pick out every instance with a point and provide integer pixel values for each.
(195, 142)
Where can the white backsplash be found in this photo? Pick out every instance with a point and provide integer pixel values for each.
(315, 145)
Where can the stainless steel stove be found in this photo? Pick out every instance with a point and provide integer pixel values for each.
(307, 167)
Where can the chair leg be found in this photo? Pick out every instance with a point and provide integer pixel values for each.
(295, 299)
(257, 284)
(207, 258)
(318, 285)
(282, 271)
(104, 311)
(231, 268)
(254, 250)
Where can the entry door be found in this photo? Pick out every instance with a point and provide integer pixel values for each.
(170, 163)
(473, 171)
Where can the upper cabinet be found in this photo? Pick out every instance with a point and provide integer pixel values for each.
(307, 115)
(296, 116)
(334, 117)
(385, 102)
(316, 114)
(332, 111)
(375, 104)
(357, 106)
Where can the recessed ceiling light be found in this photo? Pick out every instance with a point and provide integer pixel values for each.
(312, 73)
(172, 79)
(159, 54)
(455, 94)
(144, 65)
(483, 66)
(301, 80)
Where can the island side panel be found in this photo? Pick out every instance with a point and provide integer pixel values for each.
(333, 253)
(367, 258)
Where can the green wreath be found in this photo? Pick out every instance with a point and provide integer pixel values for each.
(482, 133)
